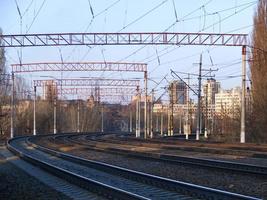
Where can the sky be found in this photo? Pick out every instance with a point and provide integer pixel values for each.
(58, 16)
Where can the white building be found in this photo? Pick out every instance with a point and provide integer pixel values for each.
(49, 90)
(228, 102)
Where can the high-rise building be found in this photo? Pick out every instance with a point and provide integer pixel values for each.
(178, 92)
(210, 88)
(49, 90)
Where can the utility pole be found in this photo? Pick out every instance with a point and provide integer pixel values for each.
(169, 127)
(157, 123)
(180, 124)
(78, 117)
(243, 98)
(171, 116)
(170, 113)
(145, 108)
(199, 100)
(137, 125)
(55, 115)
(151, 114)
(161, 121)
(12, 107)
(131, 119)
(187, 129)
(102, 118)
(206, 113)
(34, 110)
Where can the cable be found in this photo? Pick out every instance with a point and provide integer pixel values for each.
(91, 9)
(215, 24)
(175, 12)
(145, 14)
(224, 18)
(34, 18)
(88, 26)
(190, 13)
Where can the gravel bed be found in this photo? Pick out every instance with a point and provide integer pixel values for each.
(225, 157)
(221, 179)
(16, 184)
(197, 152)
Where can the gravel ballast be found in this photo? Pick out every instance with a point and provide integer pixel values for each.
(251, 185)
(16, 184)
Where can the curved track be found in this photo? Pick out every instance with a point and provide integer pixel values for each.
(111, 181)
(125, 148)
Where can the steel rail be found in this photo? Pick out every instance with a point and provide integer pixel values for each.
(84, 182)
(196, 191)
(211, 163)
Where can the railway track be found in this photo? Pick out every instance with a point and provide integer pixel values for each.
(110, 181)
(196, 146)
(111, 147)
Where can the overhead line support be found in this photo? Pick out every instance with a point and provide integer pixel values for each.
(149, 38)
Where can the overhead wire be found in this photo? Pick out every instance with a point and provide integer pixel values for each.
(175, 12)
(36, 15)
(252, 3)
(236, 12)
(166, 29)
(89, 25)
(145, 14)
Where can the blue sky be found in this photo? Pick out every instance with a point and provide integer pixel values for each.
(53, 16)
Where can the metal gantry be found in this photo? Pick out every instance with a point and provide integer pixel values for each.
(103, 91)
(150, 38)
(89, 82)
(78, 66)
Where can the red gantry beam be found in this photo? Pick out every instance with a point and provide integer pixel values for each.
(87, 82)
(79, 66)
(155, 38)
(125, 91)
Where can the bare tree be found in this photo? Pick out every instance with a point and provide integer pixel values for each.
(4, 93)
(258, 66)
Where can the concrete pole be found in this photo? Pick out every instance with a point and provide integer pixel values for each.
(55, 115)
(34, 111)
(78, 117)
(161, 121)
(136, 117)
(145, 108)
(243, 98)
(188, 131)
(169, 127)
(157, 122)
(102, 119)
(131, 120)
(180, 124)
(151, 114)
(148, 118)
(137, 120)
(199, 100)
(12, 107)
(171, 114)
(206, 113)
(139, 114)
